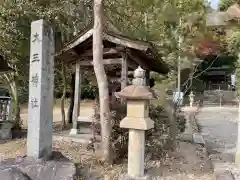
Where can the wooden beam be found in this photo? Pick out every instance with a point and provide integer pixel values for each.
(129, 73)
(105, 61)
(81, 39)
(143, 46)
(131, 63)
(106, 51)
(118, 79)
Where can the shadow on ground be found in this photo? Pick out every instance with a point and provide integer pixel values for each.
(22, 133)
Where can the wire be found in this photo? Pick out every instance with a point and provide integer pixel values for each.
(194, 77)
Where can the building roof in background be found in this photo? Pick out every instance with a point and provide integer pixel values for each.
(217, 18)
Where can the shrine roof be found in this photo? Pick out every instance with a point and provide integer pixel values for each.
(142, 50)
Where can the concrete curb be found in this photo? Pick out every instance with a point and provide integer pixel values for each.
(223, 175)
(219, 173)
(193, 133)
(223, 171)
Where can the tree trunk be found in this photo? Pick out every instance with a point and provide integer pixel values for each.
(17, 110)
(70, 108)
(105, 117)
(63, 95)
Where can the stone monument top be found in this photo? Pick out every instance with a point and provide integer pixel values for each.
(138, 90)
(139, 77)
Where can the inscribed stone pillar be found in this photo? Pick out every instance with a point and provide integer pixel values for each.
(191, 99)
(41, 82)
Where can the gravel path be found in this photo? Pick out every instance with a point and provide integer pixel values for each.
(219, 129)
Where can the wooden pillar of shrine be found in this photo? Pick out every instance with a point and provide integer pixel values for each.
(147, 76)
(124, 71)
(77, 97)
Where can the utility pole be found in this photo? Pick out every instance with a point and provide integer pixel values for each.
(179, 76)
(179, 64)
(237, 155)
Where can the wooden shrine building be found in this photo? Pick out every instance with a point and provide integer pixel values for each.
(121, 55)
(5, 102)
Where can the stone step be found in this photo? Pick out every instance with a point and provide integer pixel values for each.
(198, 139)
(84, 119)
(84, 130)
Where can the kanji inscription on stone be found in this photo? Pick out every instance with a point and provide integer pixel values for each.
(35, 79)
(34, 103)
(41, 80)
(35, 57)
(36, 38)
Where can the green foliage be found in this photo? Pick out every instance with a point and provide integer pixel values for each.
(234, 42)
(162, 128)
(163, 23)
(157, 139)
(237, 73)
(146, 23)
(225, 4)
(89, 91)
(154, 21)
(65, 16)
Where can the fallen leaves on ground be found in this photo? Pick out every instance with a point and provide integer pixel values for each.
(187, 162)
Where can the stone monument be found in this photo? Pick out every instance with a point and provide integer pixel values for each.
(41, 82)
(137, 121)
(191, 98)
(37, 166)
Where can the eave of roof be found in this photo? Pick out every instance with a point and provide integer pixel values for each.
(107, 35)
(117, 39)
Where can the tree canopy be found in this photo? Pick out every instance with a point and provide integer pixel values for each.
(167, 24)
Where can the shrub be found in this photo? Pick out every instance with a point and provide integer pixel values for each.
(157, 139)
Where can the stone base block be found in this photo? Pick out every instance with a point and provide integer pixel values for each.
(139, 123)
(73, 132)
(84, 130)
(28, 168)
(226, 175)
(127, 177)
(6, 130)
(198, 139)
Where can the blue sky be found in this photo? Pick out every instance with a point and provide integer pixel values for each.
(214, 3)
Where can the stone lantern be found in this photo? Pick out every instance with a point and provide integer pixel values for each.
(191, 98)
(137, 121)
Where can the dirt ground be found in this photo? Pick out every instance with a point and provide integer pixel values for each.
(86, 109)
(187, 162)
